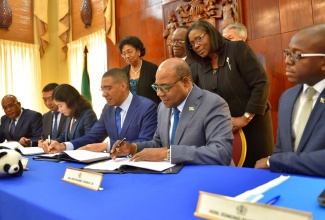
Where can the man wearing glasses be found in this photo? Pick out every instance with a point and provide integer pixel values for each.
(19, 122)
(178, 46)
(194, 125)
(300, 146)
(125, 115)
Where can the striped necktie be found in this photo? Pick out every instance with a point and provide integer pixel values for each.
(176, 119)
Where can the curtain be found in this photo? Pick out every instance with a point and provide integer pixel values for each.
(41, 19)
(20, 73)
(96, 64)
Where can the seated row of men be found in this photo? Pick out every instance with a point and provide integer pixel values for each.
(193, 125)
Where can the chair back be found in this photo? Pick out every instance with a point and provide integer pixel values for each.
(239, 148)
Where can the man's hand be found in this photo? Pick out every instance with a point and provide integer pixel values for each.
(98, 147)
(25, 141)
(123, 149)
(150, 154)
(261, 164)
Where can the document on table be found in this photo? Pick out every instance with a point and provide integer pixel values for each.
(120, 162)
(256, 194)
(24, 150)
(83, 156)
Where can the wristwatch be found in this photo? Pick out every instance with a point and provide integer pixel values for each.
(246, 115)
(268, 161)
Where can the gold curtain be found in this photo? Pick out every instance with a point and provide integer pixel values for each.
(64, 26)
(41, 18)
(109, 13)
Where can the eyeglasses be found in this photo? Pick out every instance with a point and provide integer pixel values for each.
(196, 41)
(164, 88)
(10, 106)
(128, 52)
(175, 42)
(295, 57)
(105, 89)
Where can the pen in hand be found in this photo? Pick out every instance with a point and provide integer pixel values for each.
(49, 139)
(120, 144)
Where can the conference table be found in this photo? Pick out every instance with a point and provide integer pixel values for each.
(40, 192)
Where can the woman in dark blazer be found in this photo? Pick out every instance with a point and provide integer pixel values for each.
(140, 72)
(77, 108)
(231, 70)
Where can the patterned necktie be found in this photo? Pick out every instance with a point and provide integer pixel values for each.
(304, 115)
(176, 119)
(118, 119)
(12, 128)
(55, 125)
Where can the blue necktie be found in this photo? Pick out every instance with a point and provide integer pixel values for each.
(118, 119)
(176, 119)
(12, 128)
(55, 126)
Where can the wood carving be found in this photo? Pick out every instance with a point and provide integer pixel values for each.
(5, 15)
(168, 32)
(86, 12)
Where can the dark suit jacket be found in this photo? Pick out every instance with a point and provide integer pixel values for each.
(310, 155)
(48, 125)
(195, 69)
(139, 125)
(80, 126)
(204, 131)
(29, 126)
(242, 81)
(146, 79)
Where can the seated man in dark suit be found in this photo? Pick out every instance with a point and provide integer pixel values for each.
(194, 125)
(53, 120)
(19, 122)
(125, 115)
(300, 145)
(237, 32)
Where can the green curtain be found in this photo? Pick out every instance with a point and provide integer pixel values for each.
(85, 84)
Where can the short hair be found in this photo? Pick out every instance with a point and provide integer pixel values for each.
(118, 75)
(133, 41)
(10, 96)
(178, 66)
(50, 87)
(241, 30)
(183, 27)
(217, 41)
(76, 102)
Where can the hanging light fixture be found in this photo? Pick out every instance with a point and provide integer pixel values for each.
(5, 15)
(86, 12)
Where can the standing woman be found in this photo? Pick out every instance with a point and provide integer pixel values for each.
(81, 116)
(140, 72)
(231, 70)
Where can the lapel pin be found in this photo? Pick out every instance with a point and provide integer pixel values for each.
(228, 61)
(191, 108)
(322, 100)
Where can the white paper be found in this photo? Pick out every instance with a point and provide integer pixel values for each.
(24, 150)
(115, 164)
(256, 194)
(85, 155)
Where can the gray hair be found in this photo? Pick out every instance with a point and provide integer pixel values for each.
(241, 30)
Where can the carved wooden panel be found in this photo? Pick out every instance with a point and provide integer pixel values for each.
(98, 20)
(295, 15)
(22, 22)
(219, 13)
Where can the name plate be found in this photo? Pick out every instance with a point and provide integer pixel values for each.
(24, 162)
(84, 178)
(212, 206)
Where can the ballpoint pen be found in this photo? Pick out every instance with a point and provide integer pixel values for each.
(120, 144)
(49, 139)
(273, 200)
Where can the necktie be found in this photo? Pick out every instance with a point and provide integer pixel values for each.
(118, 119)
(176, 119)
(304, 115)
(55, 125)
(12, 128)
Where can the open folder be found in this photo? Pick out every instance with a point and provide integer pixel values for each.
(124, 165)
(80, 156)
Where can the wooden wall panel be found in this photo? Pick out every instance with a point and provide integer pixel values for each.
(295, 14)
(98, 20)
(318, 11)
(21, 28)
(261, 17)
(128, 7)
